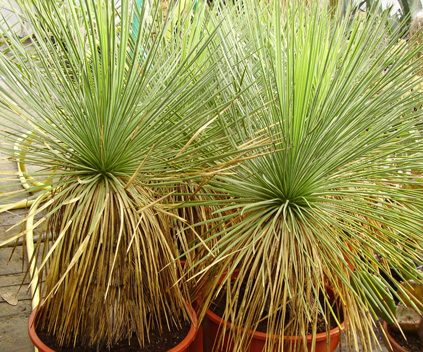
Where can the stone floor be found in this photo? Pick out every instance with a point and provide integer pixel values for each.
(13, 282)
(13, 318)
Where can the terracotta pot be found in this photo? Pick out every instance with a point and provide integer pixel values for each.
(213, 325)
(390, 343)
(193, 342)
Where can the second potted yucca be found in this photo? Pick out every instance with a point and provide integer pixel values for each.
(342, 97)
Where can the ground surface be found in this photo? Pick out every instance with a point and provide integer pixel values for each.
(13, 318)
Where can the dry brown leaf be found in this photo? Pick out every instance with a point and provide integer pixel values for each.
(10, 298)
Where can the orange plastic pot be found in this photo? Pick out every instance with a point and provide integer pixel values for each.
(193, 342)
(390, 343)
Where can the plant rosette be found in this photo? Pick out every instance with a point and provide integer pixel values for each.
(193, 341)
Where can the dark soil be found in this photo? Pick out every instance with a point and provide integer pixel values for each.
(219, 304)
(412, 344)
(158, 343)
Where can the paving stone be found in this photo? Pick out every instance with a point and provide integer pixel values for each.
(14, 333)
(14, 319)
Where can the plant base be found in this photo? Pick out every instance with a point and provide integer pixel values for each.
(213, 325)
(193, 342)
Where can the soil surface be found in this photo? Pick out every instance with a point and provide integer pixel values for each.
(158, 343)
(219, 304)
(412, 344)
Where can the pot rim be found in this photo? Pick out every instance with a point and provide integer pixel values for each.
(189, 338)
(264, 336)
(391, 340)
(33, 333)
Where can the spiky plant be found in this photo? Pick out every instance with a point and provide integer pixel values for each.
(117, 100)
(329, 201)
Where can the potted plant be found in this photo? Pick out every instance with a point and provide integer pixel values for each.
(115, 118)
(340, 95)
(406, 333)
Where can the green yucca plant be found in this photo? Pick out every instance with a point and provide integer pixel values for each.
(329, 202)
(122, 104)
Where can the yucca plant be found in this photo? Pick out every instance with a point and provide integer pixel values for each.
(117, 99)
(329, 203)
